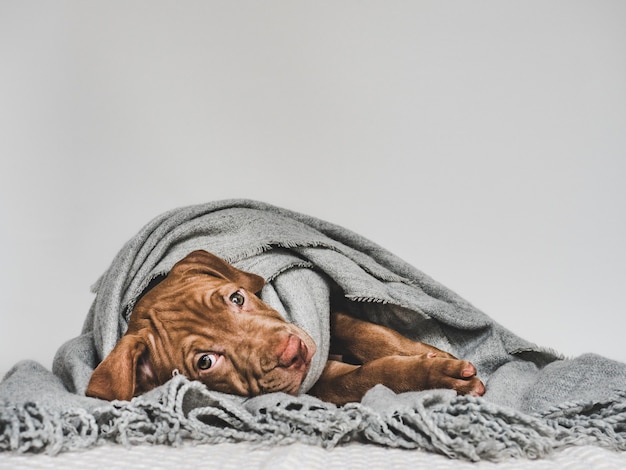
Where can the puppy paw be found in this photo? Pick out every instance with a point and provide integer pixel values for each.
(455, 374)
(469, 384)
(439, 353)
(478, 390)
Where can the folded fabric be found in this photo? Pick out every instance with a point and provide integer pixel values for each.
(536, 400)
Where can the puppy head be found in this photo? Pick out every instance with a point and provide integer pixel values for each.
(205, 321)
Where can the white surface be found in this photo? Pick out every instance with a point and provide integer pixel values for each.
(484, 142)
(243, 456)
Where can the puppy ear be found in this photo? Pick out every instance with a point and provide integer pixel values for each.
(118, 375)
(203, 262)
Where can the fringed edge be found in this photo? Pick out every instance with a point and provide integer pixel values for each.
(463, 427)
(459, 427)
(591, 423)
(32, 428)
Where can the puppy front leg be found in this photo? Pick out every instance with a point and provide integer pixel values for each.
(366, 341)
(342, 383)
(334, 384)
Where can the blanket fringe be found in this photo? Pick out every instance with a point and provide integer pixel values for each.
(30, 428)
(459, 427)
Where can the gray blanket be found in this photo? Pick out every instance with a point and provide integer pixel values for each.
(536, 400)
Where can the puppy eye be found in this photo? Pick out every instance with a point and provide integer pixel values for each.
(237, 298)
(206, 361)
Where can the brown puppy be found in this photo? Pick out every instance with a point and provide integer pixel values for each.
(205, 321)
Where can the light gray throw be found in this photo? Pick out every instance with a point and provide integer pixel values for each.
(536, 401)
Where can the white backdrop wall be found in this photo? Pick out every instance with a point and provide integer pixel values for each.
(484, 142)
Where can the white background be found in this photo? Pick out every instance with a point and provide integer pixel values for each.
(484, 142)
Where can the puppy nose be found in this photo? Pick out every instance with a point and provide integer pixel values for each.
(292, 352)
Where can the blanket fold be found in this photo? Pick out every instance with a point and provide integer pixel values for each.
(536, 400)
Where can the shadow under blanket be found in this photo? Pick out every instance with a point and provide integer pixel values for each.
(536, 400)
